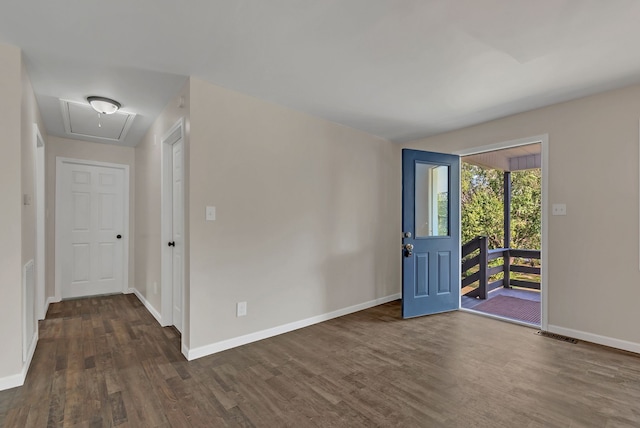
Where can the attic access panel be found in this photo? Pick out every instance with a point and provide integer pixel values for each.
(81, 120)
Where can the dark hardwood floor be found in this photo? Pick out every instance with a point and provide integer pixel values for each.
(106, 362)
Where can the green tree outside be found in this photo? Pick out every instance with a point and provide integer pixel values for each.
(483, 212)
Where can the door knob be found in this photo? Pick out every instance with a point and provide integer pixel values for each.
(119, 236)
(408, 250)
(406, 234)
(172, 244)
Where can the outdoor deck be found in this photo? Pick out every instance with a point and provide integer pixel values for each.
(512, 303)
(515, 294)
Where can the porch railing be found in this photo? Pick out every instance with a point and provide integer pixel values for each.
(477, 253)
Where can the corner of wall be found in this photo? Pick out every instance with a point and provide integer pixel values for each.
(18, 379)
(147, 284)
(147, 305)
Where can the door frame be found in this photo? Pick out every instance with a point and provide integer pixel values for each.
(39, 193)
(60, 161)
(544, 261)
(172, 136)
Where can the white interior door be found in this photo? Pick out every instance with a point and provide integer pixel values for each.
(90, 219)
(177, 181)
(40, 225)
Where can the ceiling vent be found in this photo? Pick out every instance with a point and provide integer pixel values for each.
(82, 121)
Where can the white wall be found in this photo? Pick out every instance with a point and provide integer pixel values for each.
(18, 114)
(147, 203)
(593, 168)
(307, 215)
(85, 150)
(11, 213)
(29, 116)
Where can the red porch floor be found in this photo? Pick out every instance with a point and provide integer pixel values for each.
(516, 304)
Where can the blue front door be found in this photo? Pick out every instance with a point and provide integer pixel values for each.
(431, 235)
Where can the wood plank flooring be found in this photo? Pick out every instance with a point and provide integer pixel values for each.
(106, 362)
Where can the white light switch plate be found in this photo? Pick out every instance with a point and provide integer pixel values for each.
(559, 209)
(211, 213)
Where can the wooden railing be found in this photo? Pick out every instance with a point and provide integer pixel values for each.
(485, 272)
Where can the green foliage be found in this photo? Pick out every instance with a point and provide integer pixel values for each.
(443, 214)
(526, 209)
(483, 212)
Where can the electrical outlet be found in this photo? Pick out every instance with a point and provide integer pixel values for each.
(559, 209)
(241, 309)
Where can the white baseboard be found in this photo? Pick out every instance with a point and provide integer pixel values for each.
(147, 305)
(18, 379)
(185, 351)
(596, 338)
(32, 350)
(49, 301)
(12, 381)
(223, 345)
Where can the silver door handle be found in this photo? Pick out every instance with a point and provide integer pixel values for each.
(408, 250)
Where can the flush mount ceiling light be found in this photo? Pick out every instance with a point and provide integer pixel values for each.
(104, 105)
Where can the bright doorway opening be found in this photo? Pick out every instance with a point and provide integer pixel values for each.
(501, 219)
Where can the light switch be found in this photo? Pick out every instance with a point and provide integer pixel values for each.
(211, 213)
(559, 209)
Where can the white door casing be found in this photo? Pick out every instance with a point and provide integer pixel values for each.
(172, 219)
(91, 228)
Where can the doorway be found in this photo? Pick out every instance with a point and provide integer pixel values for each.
(504, 235)
(173, 239)
(92, 222)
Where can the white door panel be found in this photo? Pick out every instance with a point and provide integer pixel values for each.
(91, 210)
(178, 231)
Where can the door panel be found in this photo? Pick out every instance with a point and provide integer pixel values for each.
(431, 237)
(421, 275)
(444, 272)
(91, 208)
(107, 263)
(178, 231)
(81, 263)
(82, 211)
(107, 204)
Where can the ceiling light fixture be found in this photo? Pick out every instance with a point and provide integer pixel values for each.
(104, 105)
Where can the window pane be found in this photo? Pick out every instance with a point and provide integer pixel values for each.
(432, 200)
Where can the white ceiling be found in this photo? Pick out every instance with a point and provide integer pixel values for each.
(400, 69)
